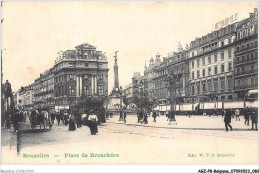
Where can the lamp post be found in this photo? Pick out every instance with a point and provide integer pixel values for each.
(172, 77)
(120, 114)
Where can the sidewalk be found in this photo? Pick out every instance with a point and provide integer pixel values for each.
(184, 122)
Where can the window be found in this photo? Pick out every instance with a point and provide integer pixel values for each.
(215, 85)
(229, 53)
(222, 43)
(198, 62)
(203, 60)
(222, 56)
(198, 73)
(223, 98)
(209, 59)
(192, 89)
(204, 87)
(209, 71)
(71, 76)
(100, 90)
(71, 90)
(243, 58)
(216, 57)
(192, 75)
(229, 83)
(238, 83)
(192, 54)
(252, 67)
(238, 70)
(216, 69)
(222, 68)
(192, 64)
(247, 56)
(229, 40)
(203, 72)
(209, 85)
(229, 97)
(86, 90)
(86, 64)
(252, 55)
(237, 49)
(247, 46)
(229, 66)
(85, 76)
(198, 88)
(101, 76)
(222, 84)
(252, 82)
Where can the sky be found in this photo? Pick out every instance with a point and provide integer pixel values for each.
(34, 32)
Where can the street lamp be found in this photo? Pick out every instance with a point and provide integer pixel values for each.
(120, 114)
(172, 77)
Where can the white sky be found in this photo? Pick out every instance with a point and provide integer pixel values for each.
(33, 32)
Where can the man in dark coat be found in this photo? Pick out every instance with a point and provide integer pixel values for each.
(52, 118)
(227, 119)
(78, 119)
(254, 117)
(58, 117)
(154, 116)
(247, 113)
(15, 120)
(124, 116)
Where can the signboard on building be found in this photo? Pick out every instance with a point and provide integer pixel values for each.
(225, 22)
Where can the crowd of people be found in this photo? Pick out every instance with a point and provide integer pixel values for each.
(36, 117)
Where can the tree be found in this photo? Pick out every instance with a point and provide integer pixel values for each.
(88, 103)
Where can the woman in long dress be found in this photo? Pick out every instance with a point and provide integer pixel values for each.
(72, 126)
(93, 119)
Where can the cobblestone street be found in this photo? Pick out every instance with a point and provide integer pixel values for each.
(172, 144)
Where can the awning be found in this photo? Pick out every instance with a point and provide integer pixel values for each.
(156, 108)
(186, 107)
(211, 105)
(233, 105)
(253, 104)
(253, 91)
(165, 108)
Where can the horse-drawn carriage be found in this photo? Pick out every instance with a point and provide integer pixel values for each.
(41, 118)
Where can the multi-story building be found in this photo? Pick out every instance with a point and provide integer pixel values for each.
(44, 90)
(160, 80)
(83, 71)
(211, 65)
(128, 91)
(246, 56)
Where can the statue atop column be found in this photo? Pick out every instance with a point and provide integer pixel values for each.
(116, 83)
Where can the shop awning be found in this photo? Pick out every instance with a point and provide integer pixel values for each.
(211, 105)
(186, 107)
(253, 91)
(233, 105)
(156, 108)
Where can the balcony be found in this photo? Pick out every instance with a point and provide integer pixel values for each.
(245, 87)
(253, 71)
(246, 60)
(241, 50)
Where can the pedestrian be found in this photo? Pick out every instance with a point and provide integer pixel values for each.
(15, 120)
(227, 119)
(52, 118)
(237, 113)
(154, 116)
(254, 118)
(93, 119)
(72, 126)
(222, 112)
(78, 119)
(8, 117)
(246, 113)
(58, 117)
(167, 115)
(145, 121)
(125, 116)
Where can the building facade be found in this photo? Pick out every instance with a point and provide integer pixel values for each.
(246, 56)
(80, 72)
(211, 65)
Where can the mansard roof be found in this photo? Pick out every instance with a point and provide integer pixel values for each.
(85, 46)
